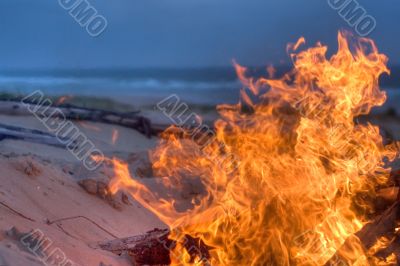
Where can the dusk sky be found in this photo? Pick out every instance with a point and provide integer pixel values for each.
(178, 33)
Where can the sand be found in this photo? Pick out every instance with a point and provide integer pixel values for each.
(39, 184)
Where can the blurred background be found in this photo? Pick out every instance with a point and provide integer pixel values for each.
(153, 48)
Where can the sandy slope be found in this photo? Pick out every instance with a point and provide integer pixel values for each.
(39, 184)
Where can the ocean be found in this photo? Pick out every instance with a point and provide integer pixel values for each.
(203, 86)
(208, 86)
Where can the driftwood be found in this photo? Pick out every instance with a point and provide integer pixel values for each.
(33, 135)
(71, 112)
(155, 248)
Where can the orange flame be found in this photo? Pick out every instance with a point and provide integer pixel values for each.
(89, 126)
(114, 136)
(63, 99)
(303, 170)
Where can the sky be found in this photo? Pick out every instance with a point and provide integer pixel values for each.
(40, 34)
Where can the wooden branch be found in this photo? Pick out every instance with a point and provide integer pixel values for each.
(130, 119)
(33, 135)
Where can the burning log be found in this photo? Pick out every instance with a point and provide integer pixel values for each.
(385, 198)
(383, 225)
(389, 194)
(365, 239)
(154, 248)
(67, 111)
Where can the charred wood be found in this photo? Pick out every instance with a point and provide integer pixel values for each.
(155, 248)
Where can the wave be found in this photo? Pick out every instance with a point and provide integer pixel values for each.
(62, 85)
(213, 91)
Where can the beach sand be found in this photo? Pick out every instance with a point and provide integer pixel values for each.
(40, 184)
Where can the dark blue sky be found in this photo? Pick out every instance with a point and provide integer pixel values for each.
(178, 33)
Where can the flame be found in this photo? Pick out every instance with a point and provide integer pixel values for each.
(382, 243)
(289, 182)
(89, 126)
(114, 136)
(271, 71)
(63, 99)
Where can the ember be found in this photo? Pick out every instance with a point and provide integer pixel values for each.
(308, 174)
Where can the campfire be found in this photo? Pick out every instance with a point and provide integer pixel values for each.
(289, 176)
